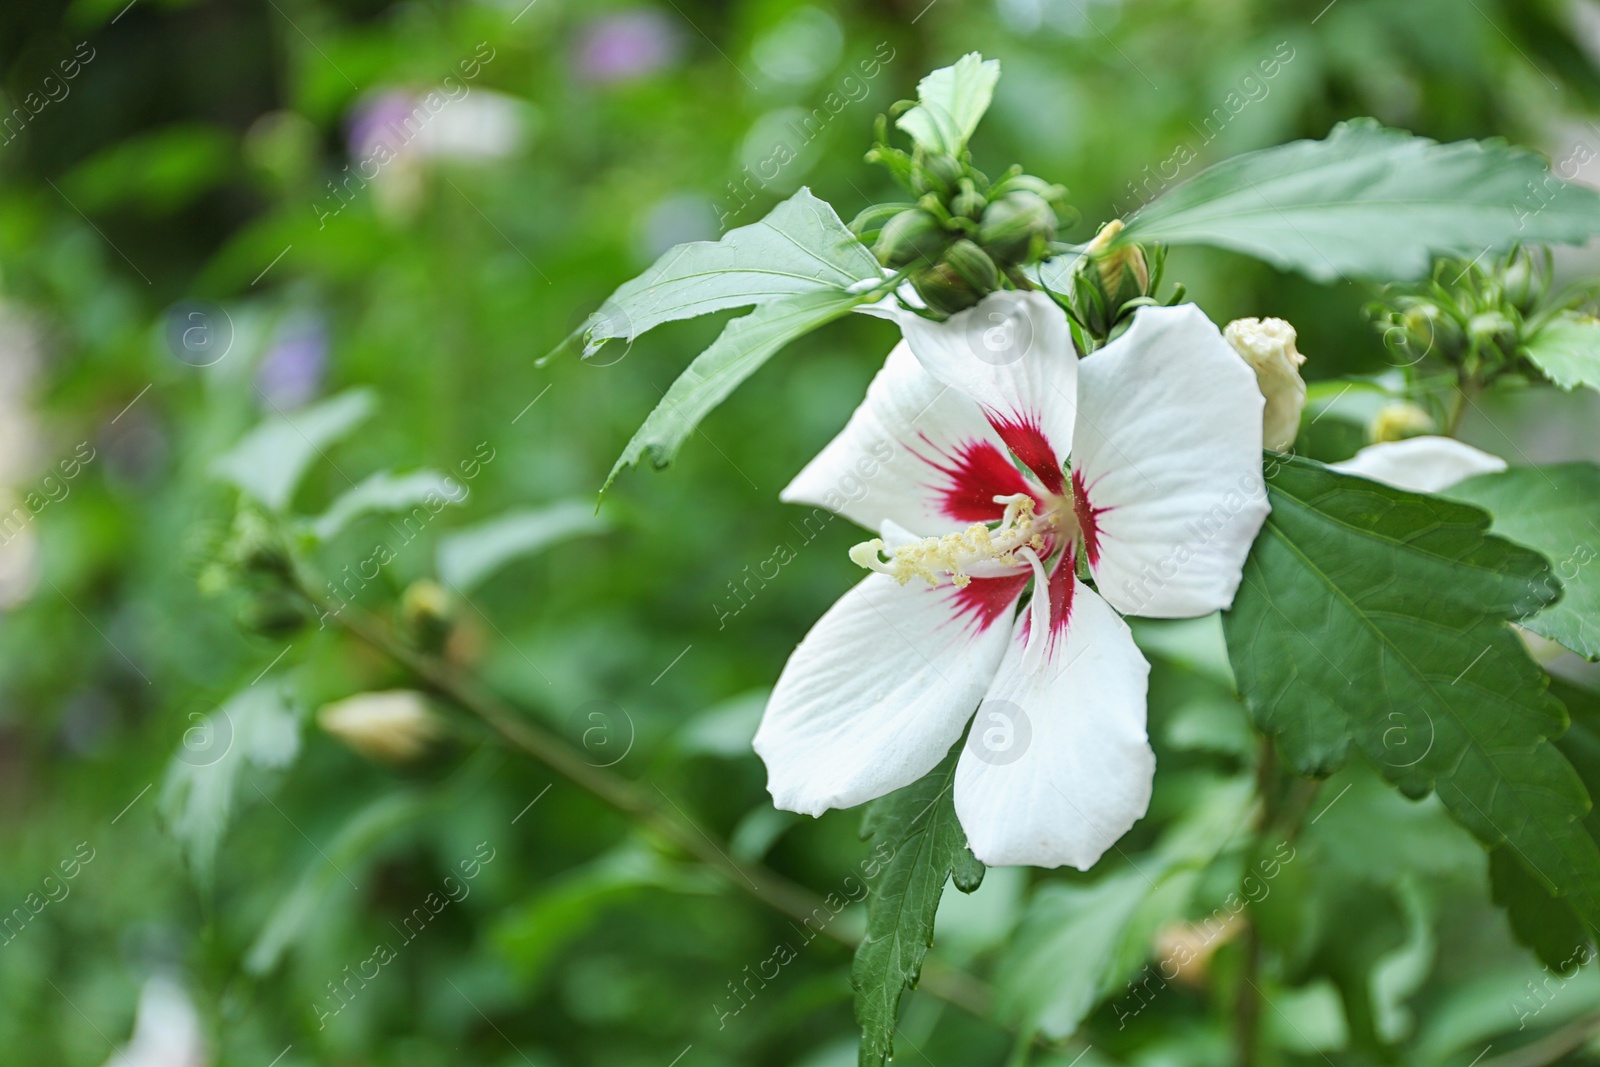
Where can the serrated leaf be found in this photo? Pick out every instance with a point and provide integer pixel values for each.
(918, 824)
(1555, 511)
(1371, 202)
(740, 350)
(1373, 614)
(386, 491)
(257, 729)
(1567, 350)
(800, 247)
(951, 101)
(270, 460)
(467, 556)
(1080, 942)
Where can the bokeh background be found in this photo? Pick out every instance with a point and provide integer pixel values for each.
(191, 172)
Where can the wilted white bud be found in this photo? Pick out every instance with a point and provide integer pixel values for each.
(1396, 422)
(392, 727)
(1268, 346)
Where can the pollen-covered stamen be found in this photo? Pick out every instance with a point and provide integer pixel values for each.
(934, 559)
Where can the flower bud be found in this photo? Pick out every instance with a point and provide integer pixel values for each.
(427, 614)
(974, 266)
(1522, 283)
(1017, 227)
(1124, 273)
(1492, 327)
(968, 203)
(390, 727)
(1268, 345)
(1396, 422)
(912, 236)
(934, 173)
(943, 288)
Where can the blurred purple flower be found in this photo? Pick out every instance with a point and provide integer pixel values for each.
(379, 119)
(632, 44)
(291, 372)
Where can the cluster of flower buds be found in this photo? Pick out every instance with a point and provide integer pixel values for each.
(250, 567)
(1113, 280)
(1473, 317)
(964, 233)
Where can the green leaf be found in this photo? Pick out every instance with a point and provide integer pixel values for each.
(1539, 920)
(292, 915)
(386, 491)
(918, 826)
(155, 172)
(741, 349)
(1371, 202)
(1379, 615)
(1567, 350)
(467, 556)
(1556, 512)
(270, 460)
(951, 102)
(801, 247)
(531, 935)
(259, 727)
(1080, 942)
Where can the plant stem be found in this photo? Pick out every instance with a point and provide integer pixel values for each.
(675, 825)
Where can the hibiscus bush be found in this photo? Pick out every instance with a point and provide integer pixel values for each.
(1144, 613)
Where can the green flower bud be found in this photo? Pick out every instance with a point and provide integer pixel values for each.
(1108, 277)
(968, 203)
(934, 173)
(1124, 273)
(1054, 195)
(943, 288)
(427, 614)
(1017, 227)
(974, 266)
(912, 236)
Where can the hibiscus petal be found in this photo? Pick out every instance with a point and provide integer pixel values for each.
(1013, 354)
(880, 688)
(916, 453)
(1057, 766)
(1166, 463)
(1420, 464)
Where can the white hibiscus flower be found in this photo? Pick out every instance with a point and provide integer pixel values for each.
(1011, 461)
(1420, 464)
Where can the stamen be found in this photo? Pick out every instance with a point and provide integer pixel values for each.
(935, 558)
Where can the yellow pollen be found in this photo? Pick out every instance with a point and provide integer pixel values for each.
(934, 559)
